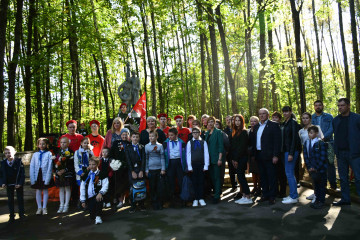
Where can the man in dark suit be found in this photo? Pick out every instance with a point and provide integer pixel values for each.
(266, 150)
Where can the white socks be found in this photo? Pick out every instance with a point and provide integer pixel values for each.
(64, 195)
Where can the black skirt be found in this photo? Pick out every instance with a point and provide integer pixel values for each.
(40, 184)
(119, 182)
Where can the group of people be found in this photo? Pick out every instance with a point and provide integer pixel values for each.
(106, 170)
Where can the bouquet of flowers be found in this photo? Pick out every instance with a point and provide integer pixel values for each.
(60, 161)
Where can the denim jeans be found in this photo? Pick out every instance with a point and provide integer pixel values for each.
(344, 160)
(289, 171)
(331, 172)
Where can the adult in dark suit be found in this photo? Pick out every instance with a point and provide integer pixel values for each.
(266, 147)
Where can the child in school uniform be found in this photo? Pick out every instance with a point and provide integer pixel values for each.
(64, 173)
(41, 174)
(175, 161)
(155, 166)
(92, 190)
(135, 155)
(81, 159)
(197, 163)
(315, 156)
(105, 168)
(13, 178)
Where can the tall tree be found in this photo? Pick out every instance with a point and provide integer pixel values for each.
(75, 64)
(296, 23)
(249, 75)
(157, 65)
(272, 62)
(4, 5)
(260, 96)
(202, 58)
(12, 74)
(229, 76)
(318, 52)
(343, 45)
(215, 62)
(356, 54)
(148, 53)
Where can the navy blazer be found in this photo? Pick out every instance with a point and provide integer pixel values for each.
(18, 167)
(354, 134)
(270, 140)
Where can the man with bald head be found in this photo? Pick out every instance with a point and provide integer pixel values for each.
(266, 150)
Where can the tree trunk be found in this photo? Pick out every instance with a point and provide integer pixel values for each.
(104, 85)
(272, 62)
(202, 57)
(210, 76)
(4, 5)
(297, 27)
(75, 65)
(321, 91)
(152, 76)
(356, 55)
(249, 76)
(157, 65)
(260, 96)
(180, 62)
(228, 74)
(133, 46)
(27, 79)
(12, 74)
(215, 63)
(346, 66)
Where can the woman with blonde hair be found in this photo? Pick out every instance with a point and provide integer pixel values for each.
(114, 133)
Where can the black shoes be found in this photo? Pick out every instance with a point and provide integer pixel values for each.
(272, 201)
(262, 199)
(341, 203)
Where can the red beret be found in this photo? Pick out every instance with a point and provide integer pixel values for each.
(178, 116)
(71, 121)
(162, 115)
(123, 104)
(94, 121)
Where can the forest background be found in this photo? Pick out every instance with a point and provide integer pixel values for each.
(64, 59)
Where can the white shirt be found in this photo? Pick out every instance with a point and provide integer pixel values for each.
(259, 134)
(311, 143)
(174, 151)
(304, 135)
(91, 190)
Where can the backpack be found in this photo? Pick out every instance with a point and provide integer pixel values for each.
(187, 190)
(138, 190)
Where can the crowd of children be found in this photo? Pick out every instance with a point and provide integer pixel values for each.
(105, 177)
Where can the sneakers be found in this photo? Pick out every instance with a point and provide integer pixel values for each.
(39, 211)
(66, 209)
(98, 220)
(286, 198)
(195, 203)
(44, 211)
(311, 197)
(244, 200)
(61, 209)
(290, 200)
(120, 205)
(202, 202)
(108, 205)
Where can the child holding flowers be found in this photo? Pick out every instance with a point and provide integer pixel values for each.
(64, 173)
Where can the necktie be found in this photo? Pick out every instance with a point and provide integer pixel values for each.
(40, 158)
(11, 163)
(137, 149)
(85, 159)
(173, 143)
(91, 176)
(197, 144)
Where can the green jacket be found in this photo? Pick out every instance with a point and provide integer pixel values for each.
(215, 145)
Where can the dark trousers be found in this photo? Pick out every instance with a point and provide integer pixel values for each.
(240, 171)
(75, 191)
(95, 207)
(20, 199)
(267, 172)
(197, 179)
(320, 181)
(232, 172)
(154, 182)
(175, 171)
(281, 177)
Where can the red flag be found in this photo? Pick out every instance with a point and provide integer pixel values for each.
(140, 108)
